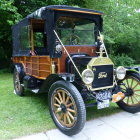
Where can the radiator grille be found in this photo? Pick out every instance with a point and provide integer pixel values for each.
(103, 76)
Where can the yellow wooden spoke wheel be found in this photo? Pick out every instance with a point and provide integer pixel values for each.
(131, 87)
(67, 107)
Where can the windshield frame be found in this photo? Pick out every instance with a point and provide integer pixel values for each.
(97, 19)
(75, 30)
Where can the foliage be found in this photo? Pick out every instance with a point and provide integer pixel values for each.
(9, 16)
(11, 12)
(26, 7)
(122, 60)
(121, 23)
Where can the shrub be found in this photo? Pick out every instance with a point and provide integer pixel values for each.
(122, 60)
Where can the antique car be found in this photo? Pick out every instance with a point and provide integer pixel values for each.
(59, 50)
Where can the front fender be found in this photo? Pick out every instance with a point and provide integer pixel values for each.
(53, 78)
(133, 71)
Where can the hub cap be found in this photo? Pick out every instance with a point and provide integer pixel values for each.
(64, 108)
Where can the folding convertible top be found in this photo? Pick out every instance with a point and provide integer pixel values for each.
(50, 14)
(40, 13)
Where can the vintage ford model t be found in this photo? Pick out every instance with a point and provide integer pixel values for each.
(59, 50)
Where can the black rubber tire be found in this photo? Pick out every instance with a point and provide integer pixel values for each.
(123, 105)
(21, 91)
(81, 111)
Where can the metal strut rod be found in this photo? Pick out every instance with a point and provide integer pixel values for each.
(103, 44)
(67, 53)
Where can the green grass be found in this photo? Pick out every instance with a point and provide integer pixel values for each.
(20, 116)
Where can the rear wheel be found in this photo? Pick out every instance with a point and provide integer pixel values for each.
(18, 89)
(67, 107)
(131, 86)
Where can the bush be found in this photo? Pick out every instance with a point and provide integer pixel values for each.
(122, 60)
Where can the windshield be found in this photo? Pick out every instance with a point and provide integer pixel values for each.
(76, 31)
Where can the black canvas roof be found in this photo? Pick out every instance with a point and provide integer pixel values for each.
(40, 13)
(50, 14)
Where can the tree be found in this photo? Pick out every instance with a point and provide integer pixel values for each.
(12, 11)
(9, 16)
(121, 25)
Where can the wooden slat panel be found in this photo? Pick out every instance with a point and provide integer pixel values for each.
(37, 66)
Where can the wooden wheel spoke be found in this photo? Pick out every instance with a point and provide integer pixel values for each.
(70, 115)
(64, 97)
(71, 104)
(128, 100)
(61, 116)
(136, 94)
(127, 82)
(57, 100)
(65, 119)
(60, 97)
(132, 100)
(136, 90)
(136, 98)
(57, 105)
(135, 86)
(68, 118)
(132, 83)
(71, 110)
(68, 97)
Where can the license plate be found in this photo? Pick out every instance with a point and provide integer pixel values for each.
(103, 104)
(104, 95)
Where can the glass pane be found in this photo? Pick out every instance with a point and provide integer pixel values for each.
(25, 38)
(76, 31)
(38, 39)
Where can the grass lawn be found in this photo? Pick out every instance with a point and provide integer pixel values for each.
(20, 116)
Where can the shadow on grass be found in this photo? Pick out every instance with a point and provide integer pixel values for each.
(42, 97)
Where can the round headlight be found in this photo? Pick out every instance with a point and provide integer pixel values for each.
(120, 72)
(87, 76)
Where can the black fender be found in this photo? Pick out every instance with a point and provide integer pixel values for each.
(52, 78)
(20, 69)
(132, 71)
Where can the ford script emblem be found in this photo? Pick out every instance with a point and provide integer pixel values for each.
(102, 75)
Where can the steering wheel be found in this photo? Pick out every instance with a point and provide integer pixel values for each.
(72, 40)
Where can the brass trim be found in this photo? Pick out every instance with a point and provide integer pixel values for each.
(100, 61)
(94, 89)
(53, 67)
(83, 75)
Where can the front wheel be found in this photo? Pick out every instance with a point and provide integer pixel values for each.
(131, 86)
(66, 107)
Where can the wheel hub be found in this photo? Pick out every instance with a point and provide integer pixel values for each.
(129, 92)
(64, 108)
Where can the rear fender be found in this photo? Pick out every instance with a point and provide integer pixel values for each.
(20, 69)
